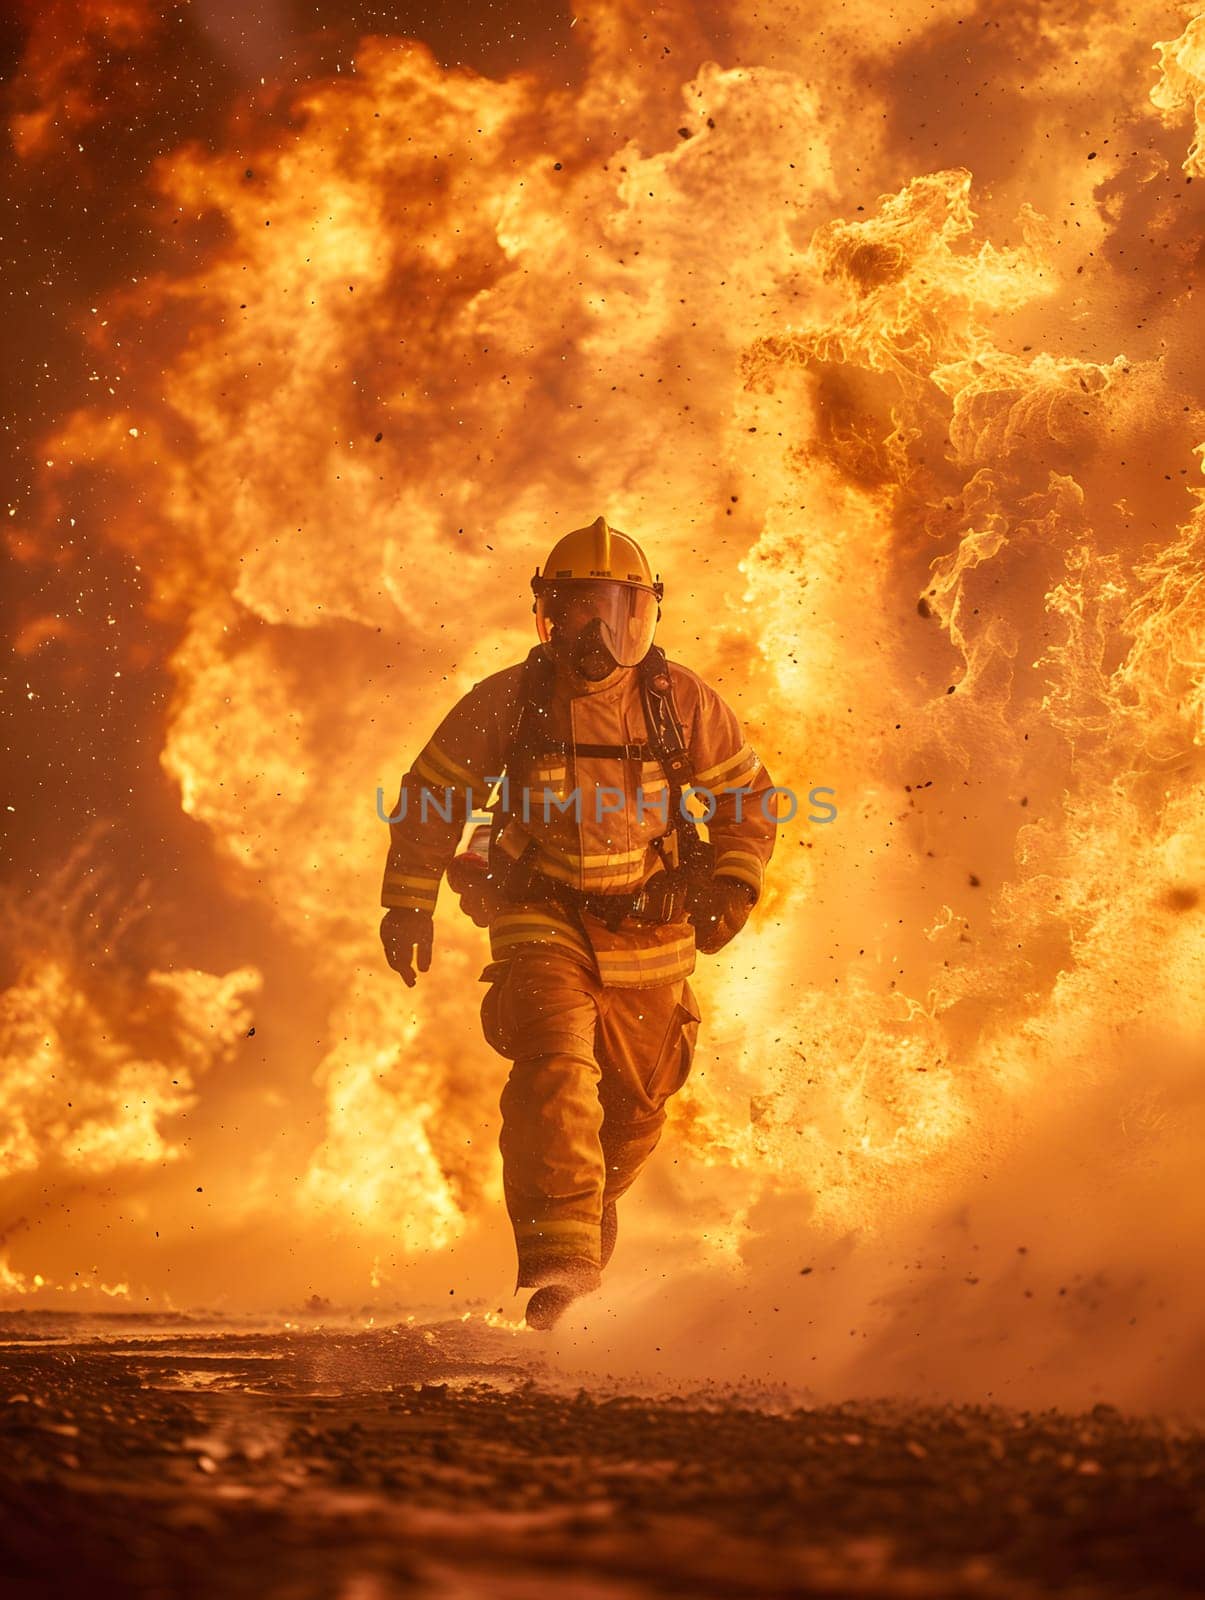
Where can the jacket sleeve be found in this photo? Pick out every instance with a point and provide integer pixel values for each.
(446, 783)
(742, 825)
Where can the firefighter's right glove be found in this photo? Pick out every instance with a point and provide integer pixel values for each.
(403, 933)
(719, 909)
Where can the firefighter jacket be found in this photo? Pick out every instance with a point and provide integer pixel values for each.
(600, 823)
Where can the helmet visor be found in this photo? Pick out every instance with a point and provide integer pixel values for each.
(626, 614)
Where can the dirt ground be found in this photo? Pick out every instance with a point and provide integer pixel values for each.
(450, 1459)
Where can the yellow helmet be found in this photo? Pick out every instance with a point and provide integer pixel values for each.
(598, 579)
(599, 551)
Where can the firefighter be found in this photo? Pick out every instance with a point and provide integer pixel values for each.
(596, 887)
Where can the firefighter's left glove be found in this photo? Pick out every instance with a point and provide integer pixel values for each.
(407, 937)
(481, 895)
(719, 910)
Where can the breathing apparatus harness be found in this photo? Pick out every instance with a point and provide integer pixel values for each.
(667, 895)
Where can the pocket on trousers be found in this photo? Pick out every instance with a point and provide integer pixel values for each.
(494, 1023)
(672, 1067)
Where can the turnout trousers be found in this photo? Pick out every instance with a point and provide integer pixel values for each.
(584, 1103)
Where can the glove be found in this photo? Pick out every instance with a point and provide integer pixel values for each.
(401, 930)
(719, 910)
(480, 894)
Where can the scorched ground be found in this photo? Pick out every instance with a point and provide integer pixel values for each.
(157, 1458)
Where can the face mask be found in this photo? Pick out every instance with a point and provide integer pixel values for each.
(618, 618)
(590, 657)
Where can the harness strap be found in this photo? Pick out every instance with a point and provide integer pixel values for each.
(528, 736)
(641, 751)
(669, 744)
(666, 744)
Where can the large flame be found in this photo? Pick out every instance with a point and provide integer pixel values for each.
(882, 338)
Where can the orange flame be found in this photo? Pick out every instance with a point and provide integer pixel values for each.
(914, 444)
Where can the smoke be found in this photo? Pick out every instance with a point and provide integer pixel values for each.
(1052, 1273)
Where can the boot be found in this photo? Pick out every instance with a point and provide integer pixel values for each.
(560, 1284)
(548, 1305)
